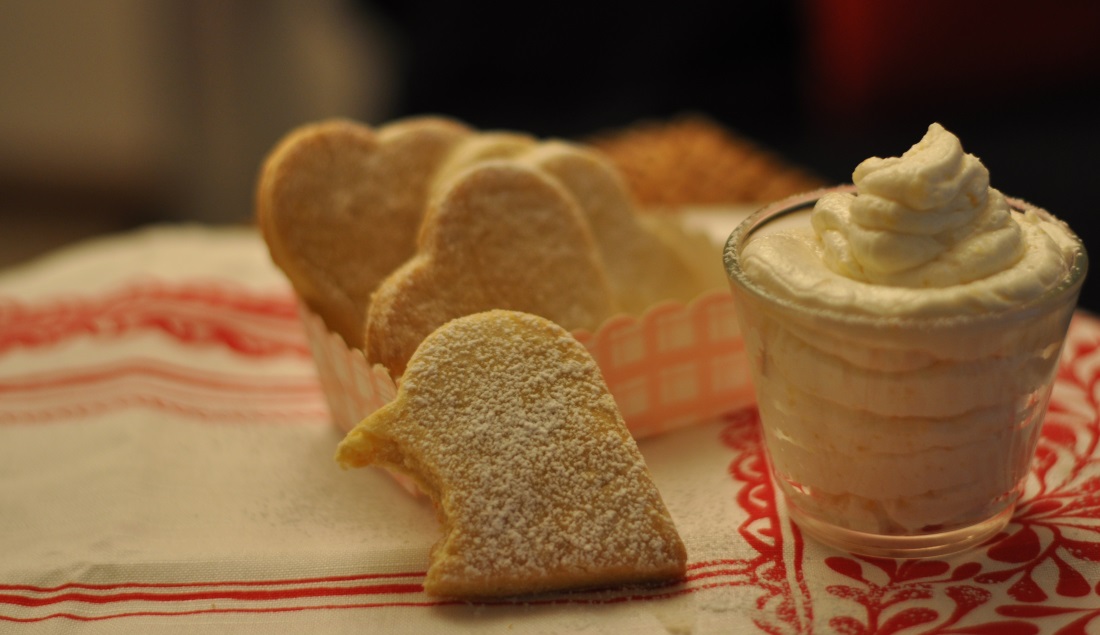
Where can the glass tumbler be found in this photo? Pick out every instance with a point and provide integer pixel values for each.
(898, 437)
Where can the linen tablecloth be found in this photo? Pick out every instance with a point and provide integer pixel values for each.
(166, 465)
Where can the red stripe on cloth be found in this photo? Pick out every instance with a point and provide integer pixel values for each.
(279, 609)
(212, 583)
(172, 373)
(73, 393)
(253, 595)
(68, 412)
(735, 577)
(199, 313)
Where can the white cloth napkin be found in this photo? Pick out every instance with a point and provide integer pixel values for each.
(166, 465)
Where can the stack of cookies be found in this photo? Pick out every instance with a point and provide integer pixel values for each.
(387, 234)
(461, 263)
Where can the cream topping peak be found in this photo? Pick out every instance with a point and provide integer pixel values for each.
(925, 219)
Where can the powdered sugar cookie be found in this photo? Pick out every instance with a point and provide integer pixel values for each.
(642, 266)
(340, 204)
(484, 146)
(502, 236)
(505, 422)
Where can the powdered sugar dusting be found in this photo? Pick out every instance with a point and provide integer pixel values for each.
(539, 484)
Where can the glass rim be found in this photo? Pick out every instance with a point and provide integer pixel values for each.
(731, 257)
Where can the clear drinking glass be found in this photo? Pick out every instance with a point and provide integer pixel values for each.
(898, 437)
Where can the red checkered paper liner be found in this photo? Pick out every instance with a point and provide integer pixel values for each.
(674, 366)
(353, 387)
(166, 466)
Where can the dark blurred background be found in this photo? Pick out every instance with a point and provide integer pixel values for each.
(124, 112)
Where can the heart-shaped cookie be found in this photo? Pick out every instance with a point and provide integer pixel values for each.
(642, 267)
(504, 420)
(340, 205)
(484, 146)
(502, 236)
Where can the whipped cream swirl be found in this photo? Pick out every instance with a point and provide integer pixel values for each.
(925, 219)
(924, 234)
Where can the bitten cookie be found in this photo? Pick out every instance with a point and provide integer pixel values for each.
(504, 420)
(502, 236)
(340, 205)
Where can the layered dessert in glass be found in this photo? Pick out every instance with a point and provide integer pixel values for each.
(903, 336)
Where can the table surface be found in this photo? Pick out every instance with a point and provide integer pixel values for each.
(166, 463)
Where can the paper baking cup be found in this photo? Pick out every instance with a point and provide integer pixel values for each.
(674, 366)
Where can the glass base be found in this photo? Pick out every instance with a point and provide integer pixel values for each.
(901, 547)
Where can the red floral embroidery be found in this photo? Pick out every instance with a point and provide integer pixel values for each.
(1041, 573)
(912, 581)
(778, 604)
